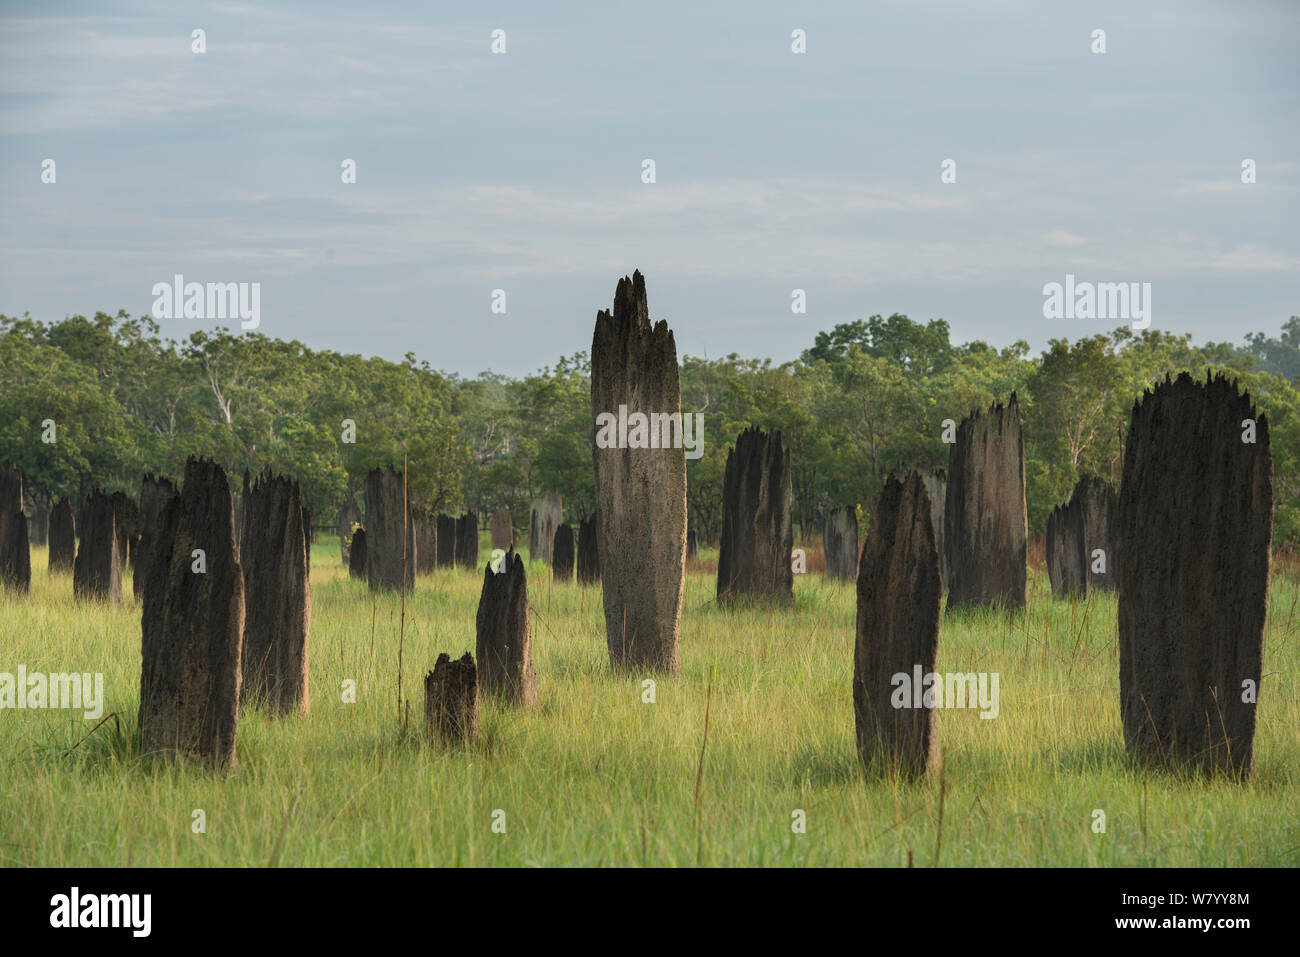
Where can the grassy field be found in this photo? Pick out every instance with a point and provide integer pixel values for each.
(594, 776)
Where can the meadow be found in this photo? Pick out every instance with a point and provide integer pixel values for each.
(595, 775)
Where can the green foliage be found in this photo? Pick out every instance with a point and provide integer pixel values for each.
(868, 397)
(1279, 356)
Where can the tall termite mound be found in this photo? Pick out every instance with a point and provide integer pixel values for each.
(1194, 522)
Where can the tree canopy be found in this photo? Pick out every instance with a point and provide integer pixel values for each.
(867, 397)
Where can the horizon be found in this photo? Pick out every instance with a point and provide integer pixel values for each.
(1032, 355)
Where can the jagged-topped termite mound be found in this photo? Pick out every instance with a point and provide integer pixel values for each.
(1100, 503)
(390, 533)
(985, 526)
(588, 560)
(562, 554)
(277, 596)
(426, 540)
(1079, 539)
(155, 493)
(841, 543)
(757, 534)
(126, 521)
(63, 537)
(467, 543)
(192, 625)
(547, 513)
(349, 518)
(936, 483)
(357, 558)
(15, 554)
(451, 701)
(97, 570)
(503, 645)
(1194, 524)
(1066, 563)
(640, 492)
(503, 533)
(446, 541)
(899, 597)
(38, 526)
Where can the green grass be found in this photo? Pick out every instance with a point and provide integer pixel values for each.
(593, 776)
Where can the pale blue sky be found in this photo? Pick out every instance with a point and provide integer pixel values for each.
(775, 171)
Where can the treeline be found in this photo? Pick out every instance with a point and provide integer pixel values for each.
(869, 396)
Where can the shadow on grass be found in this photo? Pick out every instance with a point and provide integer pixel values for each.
(824, 767)
(1109, 756)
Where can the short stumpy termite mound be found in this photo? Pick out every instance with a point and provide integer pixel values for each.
(451, 701)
